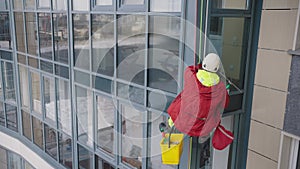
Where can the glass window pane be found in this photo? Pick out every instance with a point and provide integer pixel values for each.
(103, 44)
(44, 4)
(154, 139)
(159, 100)
(24, 88)
(82, 78)
(131, 93)
(133, 2)
(11, 117)
(49, 99)
(14, 161)
(80, 5)
(21, 59)
(17, 4)
(64, 106)
(2, 115)
(27, 165)
(31, 32)
(164, 52)
(62, 71)
(47, 66)
(5, 38)
(45, 35)
(229, 4)
(65, 150)
(20, 36)
(132, 136)
(84, 101)
(29, 4)
(3, 5)
(59, 4)
(35, 92)
(101, 164)
(3, 158)
(50, 141)
(85, 158)
(228, 36)
(61, 33)
(102, 84)
(26, 124)
(81, 41)
(106, 124)
(37, 127)
(8, 80)
(104, 2)
(131, 48)
(165, 6)
(6, 55)
(33, 62)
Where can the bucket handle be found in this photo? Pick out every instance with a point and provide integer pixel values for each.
(172, 129)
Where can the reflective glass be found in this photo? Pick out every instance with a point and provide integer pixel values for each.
(65, 150)
(132, 136)
(159, 100)
(106, 127)
(29, 4)
(17, 4)
(3, 5)
(6, 55)
(49, 99)
(21, 59)
(61, 33)
(47, 66)
(230, 4)
(128, 92)
(62, 71)
(80, 5)
(165, 6)
(50, 141)
(5, 37)
(82, 78)
(163, 59)
(31, 32)
(85, 158)
(133, 2)
(101, 164)
(102, 84)
(14, 161)
(2, 115)
(44, 4)
(35, 92)
(155, 138)
(104, 2)
(33, 62)
(26, 125)
(84, 101)
(81, 41)
(8, 80)
(103, 44)
(45, 35)
(131, 48)
(11, 117)
(37, 127)
(1, 89)
(24, 88)
(59, 4)
(27, 165)
(20, 35)
(228, 36)
(64, 106)
(3, 158)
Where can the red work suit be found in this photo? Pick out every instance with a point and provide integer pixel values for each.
(196, 111)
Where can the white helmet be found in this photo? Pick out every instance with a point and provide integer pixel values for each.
(211, 62)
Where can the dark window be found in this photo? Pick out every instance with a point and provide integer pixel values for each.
(11, 117)
(50, 141)
(65, 150)
(37, 127)
(26, 124)
(82, 78)
(85, 158)
(81, 41)
(128, 92)
(102, 84)
(5, 38)
(47, 66)
(6, 55)
(159, 100)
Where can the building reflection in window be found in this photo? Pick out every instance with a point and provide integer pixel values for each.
(5, 37)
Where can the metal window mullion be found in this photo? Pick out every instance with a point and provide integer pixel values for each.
(72, 86)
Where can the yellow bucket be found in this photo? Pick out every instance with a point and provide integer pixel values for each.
(172, 155)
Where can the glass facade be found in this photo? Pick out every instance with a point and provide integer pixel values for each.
(11, 160)
(89, 82)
